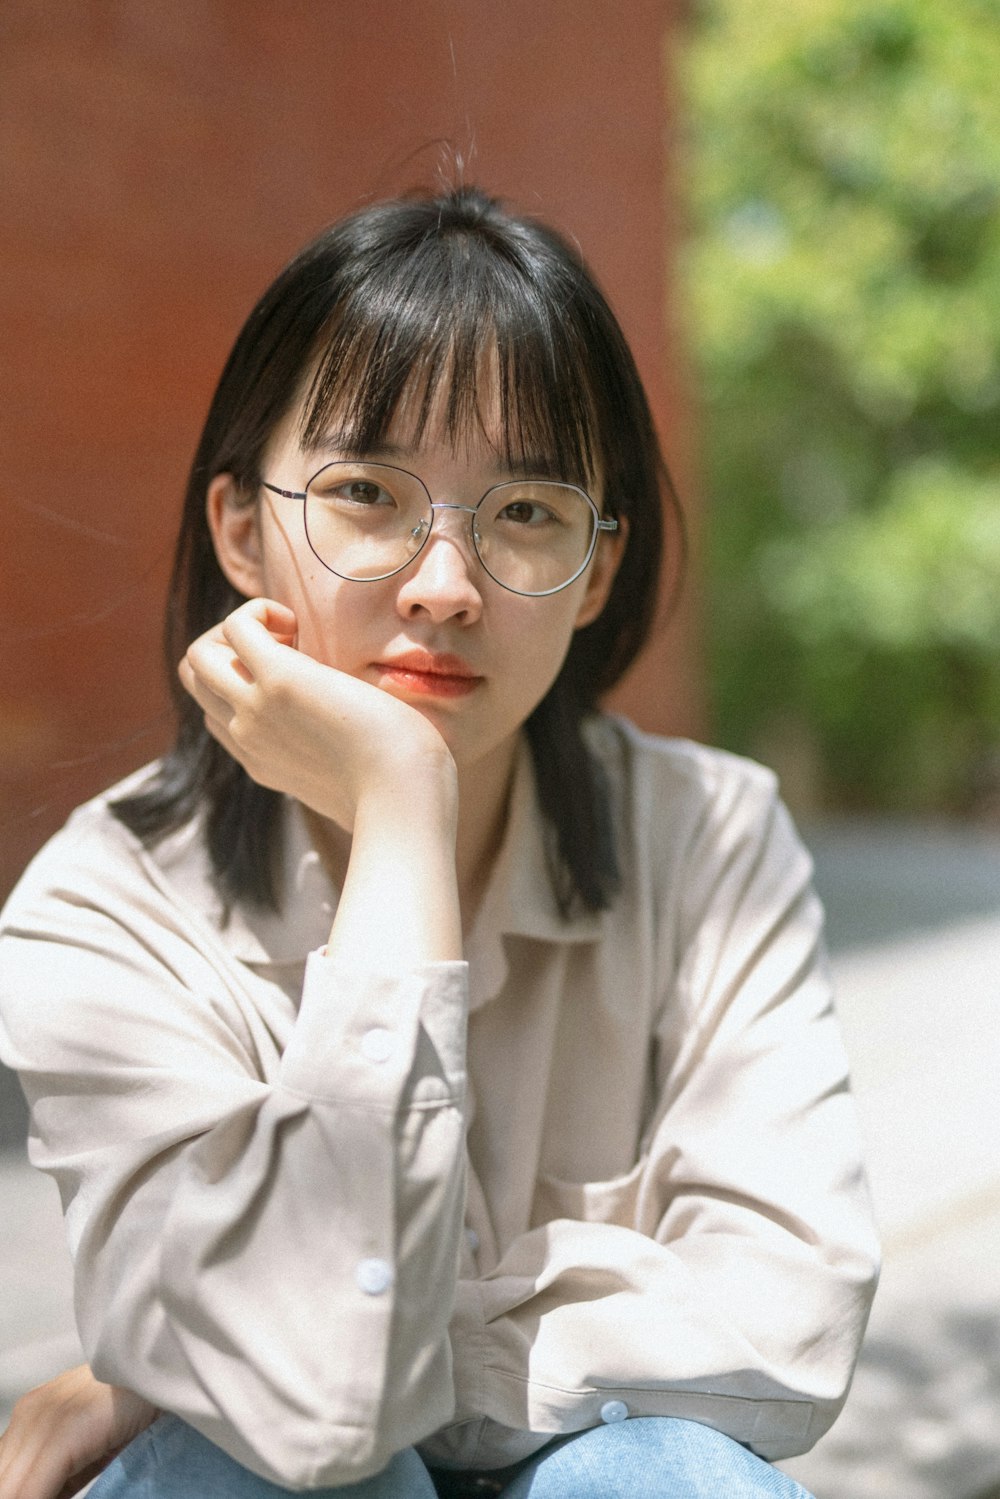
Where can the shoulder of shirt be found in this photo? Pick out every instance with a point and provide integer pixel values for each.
(700, 773)
(93, 849)
(687, 812)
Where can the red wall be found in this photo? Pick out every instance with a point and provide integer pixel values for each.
(159, 162)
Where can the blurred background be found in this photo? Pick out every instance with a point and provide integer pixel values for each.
(843, 286)
(795, 211)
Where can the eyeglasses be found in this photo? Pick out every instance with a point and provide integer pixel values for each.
(367, 521)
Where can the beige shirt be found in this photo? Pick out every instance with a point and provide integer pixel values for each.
(314, 1218)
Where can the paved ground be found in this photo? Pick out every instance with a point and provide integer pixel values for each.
(915, 929)
(915, 934)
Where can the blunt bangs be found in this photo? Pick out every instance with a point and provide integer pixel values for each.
(464, 325)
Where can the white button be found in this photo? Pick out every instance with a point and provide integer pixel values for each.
(378, 1045)
(374, 1276)
(612, 1411)
(472, 1239)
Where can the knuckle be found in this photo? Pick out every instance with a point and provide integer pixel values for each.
(282, 693)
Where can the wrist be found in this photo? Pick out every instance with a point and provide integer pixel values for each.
(419, 794)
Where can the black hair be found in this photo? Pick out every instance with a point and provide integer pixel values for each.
(391, 302)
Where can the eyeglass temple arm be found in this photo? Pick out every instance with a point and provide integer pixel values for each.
(602, 525)
(292, 494)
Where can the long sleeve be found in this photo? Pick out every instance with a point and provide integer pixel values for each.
(667, 1209)
(726, 1275)
(265, 1238)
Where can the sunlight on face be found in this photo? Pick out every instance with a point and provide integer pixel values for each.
(441, 634)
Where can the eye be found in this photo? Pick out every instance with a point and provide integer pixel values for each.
(526, 513)
(363, 492)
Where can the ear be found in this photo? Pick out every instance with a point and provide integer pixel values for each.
(235, 527)
(601, 573)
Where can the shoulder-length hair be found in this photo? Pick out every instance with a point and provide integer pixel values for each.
(393, 301)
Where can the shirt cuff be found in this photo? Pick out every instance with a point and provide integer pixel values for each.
(357, 1032)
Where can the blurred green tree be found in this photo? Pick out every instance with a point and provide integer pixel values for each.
(843, 287)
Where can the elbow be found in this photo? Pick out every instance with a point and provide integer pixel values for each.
(813, 1364)
(818, 1373)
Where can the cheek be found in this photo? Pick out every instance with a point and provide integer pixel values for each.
(291, 573)
(543, 641)
(341, 624)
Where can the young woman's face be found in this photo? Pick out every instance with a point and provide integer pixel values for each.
(441, 634)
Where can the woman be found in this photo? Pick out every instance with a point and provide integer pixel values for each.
(437, 1073)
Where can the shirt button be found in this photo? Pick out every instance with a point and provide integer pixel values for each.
(472, 1239)
(378, 1045)
(612, 1411)
(374, 1276)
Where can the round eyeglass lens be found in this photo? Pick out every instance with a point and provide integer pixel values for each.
(366, 520)
(534, 536)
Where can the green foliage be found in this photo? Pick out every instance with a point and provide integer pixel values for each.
(843, 286)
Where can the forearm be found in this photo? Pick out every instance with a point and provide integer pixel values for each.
(577, 1315)
(279, 1284)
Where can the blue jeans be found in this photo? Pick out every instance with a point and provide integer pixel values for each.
(649, 1457)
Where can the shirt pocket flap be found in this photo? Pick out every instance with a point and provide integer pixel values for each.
(612, 1201)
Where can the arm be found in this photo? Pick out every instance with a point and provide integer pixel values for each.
(354, 755)
(272, 1258)
(728, 1277)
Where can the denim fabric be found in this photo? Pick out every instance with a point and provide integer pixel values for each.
(649, 1457)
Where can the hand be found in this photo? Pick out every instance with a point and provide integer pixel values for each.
(64, 1433)
(304, 728)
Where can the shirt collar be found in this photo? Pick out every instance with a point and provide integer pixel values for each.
(307, 900)
(519, 900)
(255, 934)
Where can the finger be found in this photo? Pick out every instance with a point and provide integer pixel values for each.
(214, 667)
(258, 768)
(216, 712)
(277, 619)
(220, 732)
(259, 632)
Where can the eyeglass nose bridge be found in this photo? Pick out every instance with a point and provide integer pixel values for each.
(425, 527)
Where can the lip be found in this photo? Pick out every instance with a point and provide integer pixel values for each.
(429, 674)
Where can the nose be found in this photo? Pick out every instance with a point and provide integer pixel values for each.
(443, 579)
